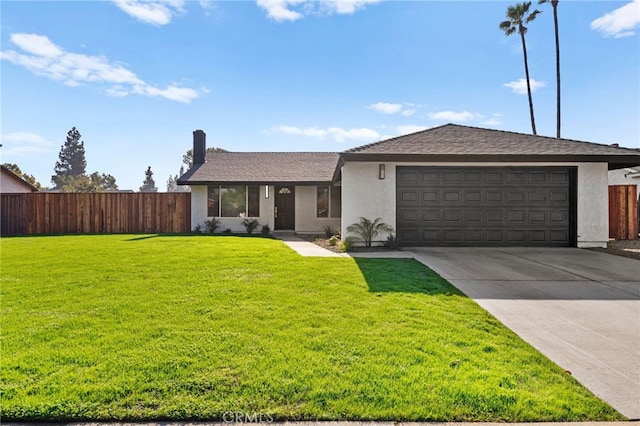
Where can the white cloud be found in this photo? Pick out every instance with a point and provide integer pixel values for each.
(278, 10)
(392, 108)
(155, 12)
(44, 58)
(619, 23)
(346, 7)
(411, 128)
(337, 133)
(454, 116)
(386, 108)
(292, 10)
(25, 143)
(494, 120)
(520, 86)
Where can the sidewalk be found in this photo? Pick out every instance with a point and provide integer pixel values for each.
(309, 249)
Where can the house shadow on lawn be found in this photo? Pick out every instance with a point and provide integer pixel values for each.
(403, 276)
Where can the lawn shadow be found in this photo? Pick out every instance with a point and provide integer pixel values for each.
(143, 237)
(403, 276)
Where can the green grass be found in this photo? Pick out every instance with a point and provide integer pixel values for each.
(190, 327)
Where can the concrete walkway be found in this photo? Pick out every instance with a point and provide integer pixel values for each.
(578, 307)
(309, 249)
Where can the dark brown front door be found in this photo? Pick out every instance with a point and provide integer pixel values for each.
(285, 210)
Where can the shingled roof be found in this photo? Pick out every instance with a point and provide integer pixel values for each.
(452, 142)
(261, 168)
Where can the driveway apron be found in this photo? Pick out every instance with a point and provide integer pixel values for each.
(578, 307)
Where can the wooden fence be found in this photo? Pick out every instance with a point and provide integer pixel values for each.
(94, 213)
(623, 212)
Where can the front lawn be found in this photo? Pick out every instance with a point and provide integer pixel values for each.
(191, 327)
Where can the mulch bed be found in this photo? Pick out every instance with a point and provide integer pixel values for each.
(625, 248)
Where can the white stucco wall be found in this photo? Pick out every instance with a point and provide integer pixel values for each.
(199, 211)
(363, 194)
(623, 177)
(305, 205)
(307, 221)
(593, 205)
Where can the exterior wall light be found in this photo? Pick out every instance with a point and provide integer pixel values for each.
(381, 171)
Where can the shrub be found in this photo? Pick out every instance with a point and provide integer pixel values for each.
(250, 225)
(227, 231)
(265, 230)
(346, 244)
(197, 229)
(333, 240)
(211, 225)
(392, 242)
(329, 231)
(366, 230)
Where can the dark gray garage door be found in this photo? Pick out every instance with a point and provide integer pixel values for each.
(486, 206)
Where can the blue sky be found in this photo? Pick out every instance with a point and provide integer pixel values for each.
(137, 77)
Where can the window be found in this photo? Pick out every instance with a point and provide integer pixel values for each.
(328, 201)
(322, 201)
(233, 201)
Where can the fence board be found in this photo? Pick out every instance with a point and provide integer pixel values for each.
(99, 213)
(623, 212)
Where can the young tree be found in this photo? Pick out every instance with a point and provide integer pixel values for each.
(72, 161)
(554, 4)
(187, 158)
(27, 178)
(149, 185)
(517, 17)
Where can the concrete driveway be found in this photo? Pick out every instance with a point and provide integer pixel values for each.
(578, 307)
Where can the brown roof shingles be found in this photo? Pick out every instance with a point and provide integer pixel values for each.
(453, 139)
(264, 167)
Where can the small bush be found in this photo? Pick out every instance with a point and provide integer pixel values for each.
(366, 230)
(333, 240)
(346, 244)
(250, 225)
(227, 231)
(265, 230)
(211, 225)
(329, 231)
(392, 242)
(197, 229)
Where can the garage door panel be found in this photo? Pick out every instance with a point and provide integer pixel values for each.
(484, 206)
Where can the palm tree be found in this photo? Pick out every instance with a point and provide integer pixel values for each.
(517, 17)
(554, 4)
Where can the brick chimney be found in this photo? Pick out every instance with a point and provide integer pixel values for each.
(199, 147)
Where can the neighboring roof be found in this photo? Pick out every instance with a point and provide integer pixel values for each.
(8, 173)
(452, 142)
(263, 168)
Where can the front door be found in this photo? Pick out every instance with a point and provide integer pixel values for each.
(285, 210)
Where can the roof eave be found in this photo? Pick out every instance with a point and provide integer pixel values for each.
(614, 161)
(245, 183)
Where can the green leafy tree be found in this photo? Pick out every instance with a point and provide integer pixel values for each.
(148, 185)
(72, 161)
(366, 230)
(517, 17)
(554, 4)
(187, 158)
(95, 182)
(27, 178)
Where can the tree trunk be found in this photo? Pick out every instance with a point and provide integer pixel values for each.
(526, 72)
(554, 3)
